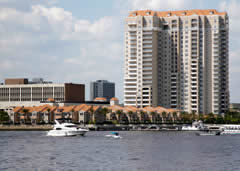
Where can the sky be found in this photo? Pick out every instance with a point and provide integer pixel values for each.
(81, 41)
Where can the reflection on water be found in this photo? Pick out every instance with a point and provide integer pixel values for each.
(135, 151)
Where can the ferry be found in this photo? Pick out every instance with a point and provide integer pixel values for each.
(230, 130)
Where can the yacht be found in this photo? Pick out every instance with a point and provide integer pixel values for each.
(196, 126)
(66, 129)
(230, 130)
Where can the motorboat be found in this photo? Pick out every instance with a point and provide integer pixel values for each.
(113, 135)
(230, 130)
(66, 129)
(196, 126)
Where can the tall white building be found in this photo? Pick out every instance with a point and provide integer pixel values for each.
(177, 59)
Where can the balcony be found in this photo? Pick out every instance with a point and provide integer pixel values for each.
(147, 37)
(133, 38)
(147, 46)
(147, 50)
(147, 33)
(147, 42)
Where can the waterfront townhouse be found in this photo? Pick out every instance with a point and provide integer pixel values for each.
(85, 114)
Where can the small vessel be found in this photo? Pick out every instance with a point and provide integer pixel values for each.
(113, 135)
(211, 133)
(66, 129)
(196, 126)
(230, 130)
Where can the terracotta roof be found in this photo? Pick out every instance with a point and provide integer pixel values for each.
(100, 99)
(130, 108)
(95, 108)
(79, 107)
(149, 109)
(52, 108)
(177, 13)
(114, 98)
(30, 109)
(115, 108)
(50, 100)
(83, 107)
(69, 109)
(17, 109)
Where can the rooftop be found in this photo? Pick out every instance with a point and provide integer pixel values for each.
(176, 13)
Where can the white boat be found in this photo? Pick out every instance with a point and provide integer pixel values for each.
(230, 130)
(196, 126)
(114, 135)
(66, 129)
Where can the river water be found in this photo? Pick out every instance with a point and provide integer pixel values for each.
(150, 151)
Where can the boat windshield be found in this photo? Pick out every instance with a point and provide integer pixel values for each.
(71, 126)
(115, 133)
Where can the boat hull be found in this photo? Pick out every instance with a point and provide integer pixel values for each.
(65, 133)
(230, 133)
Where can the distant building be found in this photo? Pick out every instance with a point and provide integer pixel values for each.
(234, 107)
(20, 92)
(114, 101)
(102, 88)
(12, 81)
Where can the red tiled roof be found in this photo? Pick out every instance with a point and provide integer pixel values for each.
(177, 13)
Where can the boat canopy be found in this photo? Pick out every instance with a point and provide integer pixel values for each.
(115, 133)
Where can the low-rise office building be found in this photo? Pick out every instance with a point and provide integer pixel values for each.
(19, 92)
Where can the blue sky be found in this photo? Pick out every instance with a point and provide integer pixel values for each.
(81, 41)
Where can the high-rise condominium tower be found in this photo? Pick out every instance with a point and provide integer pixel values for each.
(177, 59)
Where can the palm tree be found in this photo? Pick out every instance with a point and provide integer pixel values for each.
(174, 117)
(26, 116)
(119, 113)
(91, 114)
(73, 115)
(143, 116)
(130, 114)
(200, 117)
(193, 116)
(164, 115)
(153, 114)
(48, 114)
(104, 112)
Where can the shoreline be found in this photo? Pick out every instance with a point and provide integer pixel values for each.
(164, 127)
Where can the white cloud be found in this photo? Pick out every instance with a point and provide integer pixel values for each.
(41, 42)
(232, 8)
(159, 4)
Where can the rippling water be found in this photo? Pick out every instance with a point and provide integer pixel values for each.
(135, 151)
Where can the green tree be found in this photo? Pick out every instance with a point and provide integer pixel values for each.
(219, 119)
(26, 115)
(164, 115)
(174, 117)
(119, 114)
(49, 115)
(91, 114)
(210, 118)
(130, 114)
(4, 117)
(153, 116)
